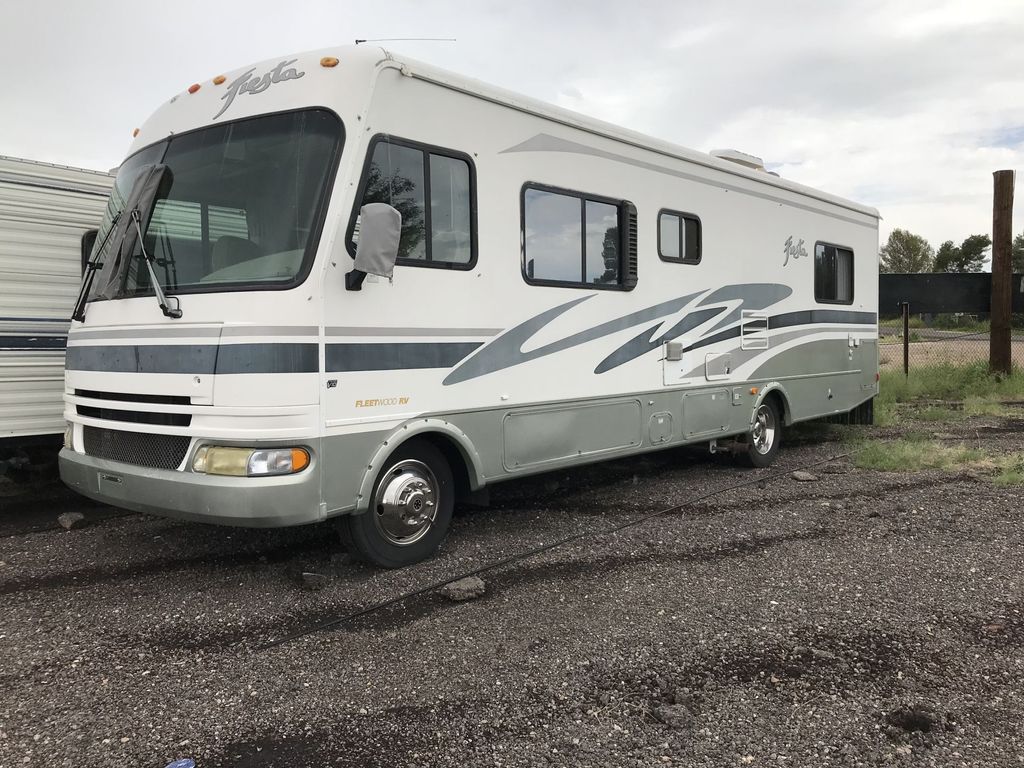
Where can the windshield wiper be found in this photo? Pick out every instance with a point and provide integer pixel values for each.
(90, 273)
(172, 312)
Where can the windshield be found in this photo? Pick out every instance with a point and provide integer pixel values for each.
(241, 206)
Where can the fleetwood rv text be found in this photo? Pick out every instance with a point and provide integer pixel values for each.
(350, 284)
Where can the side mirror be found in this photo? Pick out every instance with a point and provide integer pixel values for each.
(380, 230)
(88, 241)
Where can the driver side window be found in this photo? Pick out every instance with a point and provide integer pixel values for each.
(434, 190)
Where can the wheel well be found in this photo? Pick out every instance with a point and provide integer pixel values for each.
(780, 402)
(456, 461)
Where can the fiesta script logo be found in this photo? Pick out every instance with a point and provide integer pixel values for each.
(790, 250)
(249, 84)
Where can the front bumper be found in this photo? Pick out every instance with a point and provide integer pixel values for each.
(256, 502)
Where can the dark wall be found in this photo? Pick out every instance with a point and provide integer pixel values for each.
(942, 292)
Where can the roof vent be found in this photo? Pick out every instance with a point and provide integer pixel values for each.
(741, 158)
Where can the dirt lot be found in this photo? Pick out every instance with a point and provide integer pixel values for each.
(857, 619)
(970, 349)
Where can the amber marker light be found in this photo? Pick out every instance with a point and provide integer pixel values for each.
(135, 133)
(753, 390)
(300, 459)
(193, 88)
(219, 79)
(328, 61)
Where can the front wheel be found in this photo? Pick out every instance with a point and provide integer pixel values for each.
(764, 436)
(410, 510)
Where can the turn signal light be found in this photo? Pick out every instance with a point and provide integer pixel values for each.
(328, 61)
(249, 462)
(193, 88)
(753, 390)
(135, 133)
(219, 79)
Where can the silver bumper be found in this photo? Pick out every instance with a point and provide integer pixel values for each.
(256, 502)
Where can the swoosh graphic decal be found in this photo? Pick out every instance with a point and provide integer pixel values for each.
(506, 351)
(643, 343)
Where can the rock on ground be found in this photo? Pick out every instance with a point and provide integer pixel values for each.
(71, 520)
(803, 477)
(464, 589)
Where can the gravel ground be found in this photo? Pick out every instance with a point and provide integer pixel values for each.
(857, 619)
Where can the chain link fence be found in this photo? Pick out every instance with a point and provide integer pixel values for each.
(953, 339)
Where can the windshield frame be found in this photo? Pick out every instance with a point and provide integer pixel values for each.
(315, 233)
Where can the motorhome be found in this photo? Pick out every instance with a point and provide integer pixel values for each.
(45, 212)
(349, 284)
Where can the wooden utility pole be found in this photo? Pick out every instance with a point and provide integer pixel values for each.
(999, 358)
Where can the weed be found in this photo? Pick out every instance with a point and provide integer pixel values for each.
(949, 382)
(908, 455)
(1011, 470)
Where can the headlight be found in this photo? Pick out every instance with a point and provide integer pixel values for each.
(247, 462)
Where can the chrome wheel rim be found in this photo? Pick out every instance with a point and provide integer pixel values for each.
(405, 504)
(762, 436)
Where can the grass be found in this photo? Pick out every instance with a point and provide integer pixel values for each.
(980, 392)
(916, 452)
(1011, 470)
(909, 454)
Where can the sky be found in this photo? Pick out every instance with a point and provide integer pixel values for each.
(905, 105)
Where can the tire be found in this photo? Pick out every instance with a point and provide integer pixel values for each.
(410, 509)
(765, 436)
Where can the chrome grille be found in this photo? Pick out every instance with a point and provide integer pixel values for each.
(138, 448)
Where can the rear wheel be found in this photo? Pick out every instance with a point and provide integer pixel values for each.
(765, 435)
(410, 510)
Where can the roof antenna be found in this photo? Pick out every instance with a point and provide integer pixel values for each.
(407, 39)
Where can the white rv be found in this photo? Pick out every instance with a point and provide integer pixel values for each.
(45, 211)
(349, 284)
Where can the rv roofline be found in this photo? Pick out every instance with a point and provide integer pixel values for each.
(19, 170)
(480, 89)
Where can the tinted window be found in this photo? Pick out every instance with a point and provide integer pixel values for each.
(833, 274)
(679, 237)
(554, 226)
(240, 204)
(570, 239)
(433, 191)
(449, 210)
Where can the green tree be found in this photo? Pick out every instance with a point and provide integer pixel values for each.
(948, 253)
(906, 252)
(1017, 254)
(969, 256)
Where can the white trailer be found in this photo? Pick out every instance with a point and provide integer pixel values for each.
(45, 210)
(349, 284)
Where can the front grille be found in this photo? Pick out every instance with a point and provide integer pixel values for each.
(134, 398)
(136, 417)
(154, 451)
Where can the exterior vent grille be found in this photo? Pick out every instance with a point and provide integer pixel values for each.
(136, 417)
(629, 246)
(134, 398)
(138, 448)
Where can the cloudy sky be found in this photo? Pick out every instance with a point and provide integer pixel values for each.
(907, 105)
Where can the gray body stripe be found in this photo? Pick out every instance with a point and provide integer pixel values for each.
(376, 331)
(270, 330)
(390, 357)
(741, 356)
(194, 333)
(544, 142)
(195, 358)
(144, 333)
(812, 316)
